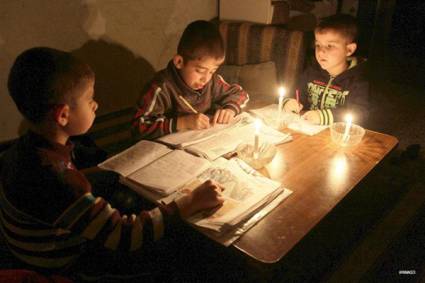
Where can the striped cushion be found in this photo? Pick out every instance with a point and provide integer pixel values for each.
(112, 131)
(248, 43)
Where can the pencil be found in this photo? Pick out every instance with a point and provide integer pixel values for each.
(188, 104)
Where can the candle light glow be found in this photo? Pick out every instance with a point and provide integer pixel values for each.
(348, 122)
(281, 92)
(257, 124)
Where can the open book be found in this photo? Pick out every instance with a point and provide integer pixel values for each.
(293, 121)
(154, 166)
(245, 190)
(162, 175)
(221, 139)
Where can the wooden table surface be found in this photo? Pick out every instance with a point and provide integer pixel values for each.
(320, 173)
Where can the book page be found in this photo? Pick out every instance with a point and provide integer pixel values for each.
(228, 139)
(170, 172)
(305, 127)
(135, 157)
(244, 190)
(187, 138)
(293, 121)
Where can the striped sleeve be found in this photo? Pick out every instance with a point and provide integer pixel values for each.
(97, 220)
(326, 116)
(55, 245)
(150, 121)
(230, 96)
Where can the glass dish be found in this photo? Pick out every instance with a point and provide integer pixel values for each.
(351, 138)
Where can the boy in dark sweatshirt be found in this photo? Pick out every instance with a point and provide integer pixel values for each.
(336, 83)
(188, 94)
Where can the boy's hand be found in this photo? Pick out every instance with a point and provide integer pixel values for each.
(193, 122)
(292, 106)
(207, 195)
(223, 116)
(312, 116)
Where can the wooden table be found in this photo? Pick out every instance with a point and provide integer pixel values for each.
(320, 173)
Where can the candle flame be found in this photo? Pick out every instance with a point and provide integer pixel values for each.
(349, 118)
(281, 91)
(257, 124)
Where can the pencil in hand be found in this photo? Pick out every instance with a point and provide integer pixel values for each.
(297, 95)
(188, 104)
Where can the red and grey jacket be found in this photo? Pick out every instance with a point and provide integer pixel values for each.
(334, 97)
(160, 104)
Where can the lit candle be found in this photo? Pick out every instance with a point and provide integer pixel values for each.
(348, 120)
(281, 92)
(257, 124)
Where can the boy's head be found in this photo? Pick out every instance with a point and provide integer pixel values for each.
(47, 84)
(199, 54)
(335, 40)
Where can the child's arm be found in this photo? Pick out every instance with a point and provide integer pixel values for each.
(290, 103)
(203, 197)
(226, 96)
(94, 219)
(193, 122)
(150, 120)
(357, 104)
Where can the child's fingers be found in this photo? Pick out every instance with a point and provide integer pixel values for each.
(225, 116)
(220, 200)
(300, 107)
(216, 114)
(222, 117)
(203, 121)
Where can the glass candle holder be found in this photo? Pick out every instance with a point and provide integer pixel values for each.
(259, 159)
(346, 137)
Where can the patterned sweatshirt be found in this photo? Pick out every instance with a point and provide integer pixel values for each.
(336, 96)
(160, 105)
(48, 213)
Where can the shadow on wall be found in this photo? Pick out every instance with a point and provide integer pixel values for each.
(120, 74)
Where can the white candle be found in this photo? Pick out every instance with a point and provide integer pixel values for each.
(281, 92)
(348, 120)
(257, 124)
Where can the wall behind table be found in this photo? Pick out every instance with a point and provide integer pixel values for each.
(125, 42)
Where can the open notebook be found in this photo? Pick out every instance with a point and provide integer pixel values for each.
(293, 121)
(154, 166)
(221, 139)
(162, 175)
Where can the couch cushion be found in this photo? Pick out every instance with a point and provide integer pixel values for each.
(112, 132)
(259, 80)
(248, 43)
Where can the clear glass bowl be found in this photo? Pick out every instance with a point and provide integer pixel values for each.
(353, 137)
(264, 156)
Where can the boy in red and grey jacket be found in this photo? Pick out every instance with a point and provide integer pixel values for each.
(188, 94)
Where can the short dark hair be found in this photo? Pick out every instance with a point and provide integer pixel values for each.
(42, 77)
(344, 24)
(201, 38)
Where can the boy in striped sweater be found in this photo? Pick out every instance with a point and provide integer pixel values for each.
(48, 213)
(188, 94)
(336, 83)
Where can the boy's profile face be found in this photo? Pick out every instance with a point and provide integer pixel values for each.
(197, 73)
(82, 108)
(332, 50)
